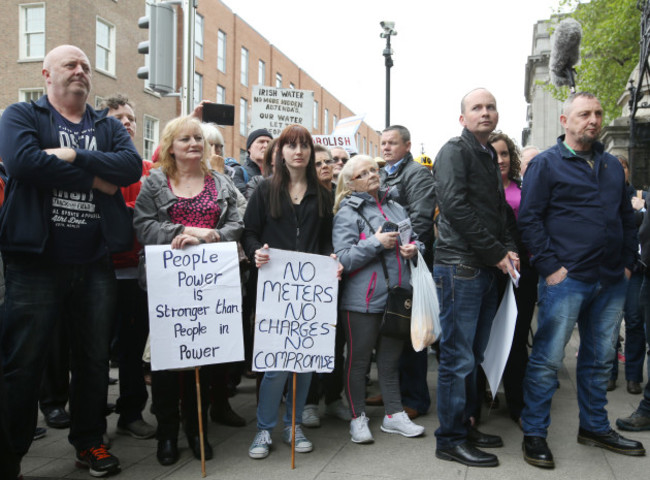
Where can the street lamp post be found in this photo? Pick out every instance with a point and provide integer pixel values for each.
(389, 30)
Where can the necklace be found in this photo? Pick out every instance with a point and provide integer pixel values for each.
(298, 191)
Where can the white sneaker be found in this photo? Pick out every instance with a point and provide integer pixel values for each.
(360, 431)
(339, 410)
(261, 445)
(401, 423)
(310, 416)
(302, 444)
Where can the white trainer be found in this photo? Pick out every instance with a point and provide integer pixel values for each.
(339, 410)
(401, 423)
(359, 430)
(261, 445)
(310, 416)
(302, 444)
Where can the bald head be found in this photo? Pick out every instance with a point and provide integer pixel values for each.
(67, 74)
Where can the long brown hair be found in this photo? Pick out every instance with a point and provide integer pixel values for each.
(279, 188)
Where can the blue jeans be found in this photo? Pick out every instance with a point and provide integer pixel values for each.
(468, 299)
(271, 390)
(597, 308)
(38, 292)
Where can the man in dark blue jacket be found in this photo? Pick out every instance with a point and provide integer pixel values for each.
(63, 215)
(578, 224)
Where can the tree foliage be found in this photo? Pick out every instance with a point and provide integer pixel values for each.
(609, 49)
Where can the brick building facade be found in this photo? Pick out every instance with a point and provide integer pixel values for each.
(107, 30)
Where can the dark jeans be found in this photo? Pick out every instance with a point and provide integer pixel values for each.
(644, 300)
(468, 299)
(38, 293)
(55, 385)
(330, 384)
(133, 328)
(634, 333)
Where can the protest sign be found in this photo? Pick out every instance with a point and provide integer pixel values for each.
(295, 317)
(194, 305)
(276, 108)
(346, 142)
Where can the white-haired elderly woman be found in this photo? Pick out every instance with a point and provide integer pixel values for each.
(361, 209)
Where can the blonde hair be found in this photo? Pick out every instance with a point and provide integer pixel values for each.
(166, 160)
(345, 178)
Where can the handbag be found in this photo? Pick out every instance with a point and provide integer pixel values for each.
(396, 321)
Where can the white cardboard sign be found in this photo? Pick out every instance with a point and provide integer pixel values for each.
(295, 317)
(276, 108)
(194, 305)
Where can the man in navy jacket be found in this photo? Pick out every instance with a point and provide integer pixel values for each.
(578, 224)
(63, 215)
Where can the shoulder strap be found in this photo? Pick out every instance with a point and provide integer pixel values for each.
(381, 256)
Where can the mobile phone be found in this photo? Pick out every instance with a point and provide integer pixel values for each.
(219, 113)
(389, 227)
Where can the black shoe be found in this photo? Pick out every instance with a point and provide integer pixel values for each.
(468, 455)
(195, 445)
(611, 441)
(57, 418)
(39, 432)
(537, 453)
(483, 440)
(634, 387)
(634, 423)
(110, 409)
(167, 453)
(112, 381)
(225, 415)
(98, 460)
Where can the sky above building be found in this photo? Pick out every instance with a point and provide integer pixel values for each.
(442, 51)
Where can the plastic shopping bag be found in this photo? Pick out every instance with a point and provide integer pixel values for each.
(425, 316)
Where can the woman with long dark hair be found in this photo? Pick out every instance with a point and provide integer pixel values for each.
(291, 210)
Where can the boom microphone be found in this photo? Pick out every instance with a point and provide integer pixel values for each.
(565, 53)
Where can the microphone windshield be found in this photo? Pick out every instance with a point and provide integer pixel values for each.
(565, 52)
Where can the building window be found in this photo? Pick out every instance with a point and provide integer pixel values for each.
(316, 115)
(198, 36)
(105, 46)
(30, 94)
(32, 31)
(221, 51)
(335, 121)
(98, 102)
(198, 88)
(150, 136)
(365, 145)
(278, 80)
(326, 122)
(292, 86)
(243, 116)
(261, 72)
(243, 70)
(221, 94)
(243, 154)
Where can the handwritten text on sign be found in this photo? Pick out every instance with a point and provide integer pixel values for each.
(295, 319)
(194, 305)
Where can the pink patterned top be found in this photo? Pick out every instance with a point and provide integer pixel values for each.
(201, 211)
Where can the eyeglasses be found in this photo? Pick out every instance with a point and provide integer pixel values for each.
(326, 162)
(343, 160)
(365, 174)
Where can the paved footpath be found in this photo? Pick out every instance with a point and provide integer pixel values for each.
(335, 457)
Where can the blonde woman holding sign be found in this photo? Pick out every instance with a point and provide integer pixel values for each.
(290, 211)
(183, 203)
(371, 257)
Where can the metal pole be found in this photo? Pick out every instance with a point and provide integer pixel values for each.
(389, 64)
(187, 89)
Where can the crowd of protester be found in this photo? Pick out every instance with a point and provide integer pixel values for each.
(80, 204)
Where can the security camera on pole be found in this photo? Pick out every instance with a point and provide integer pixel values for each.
(389, 30)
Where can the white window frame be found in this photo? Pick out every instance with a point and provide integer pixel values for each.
(243, 68)
(278, 80)
(335, 121)
(261, 72)
(222, 44)
(316, 114)
(198, 36)
(150, 135)
(26, 34)
(326, 122)
(221, 94)
(243, 116)
(109, 65)
(292, 86)
(28, 94)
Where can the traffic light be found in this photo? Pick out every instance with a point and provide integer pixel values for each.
(161, 47)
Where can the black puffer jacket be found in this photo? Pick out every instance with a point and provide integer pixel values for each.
(473, 225)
